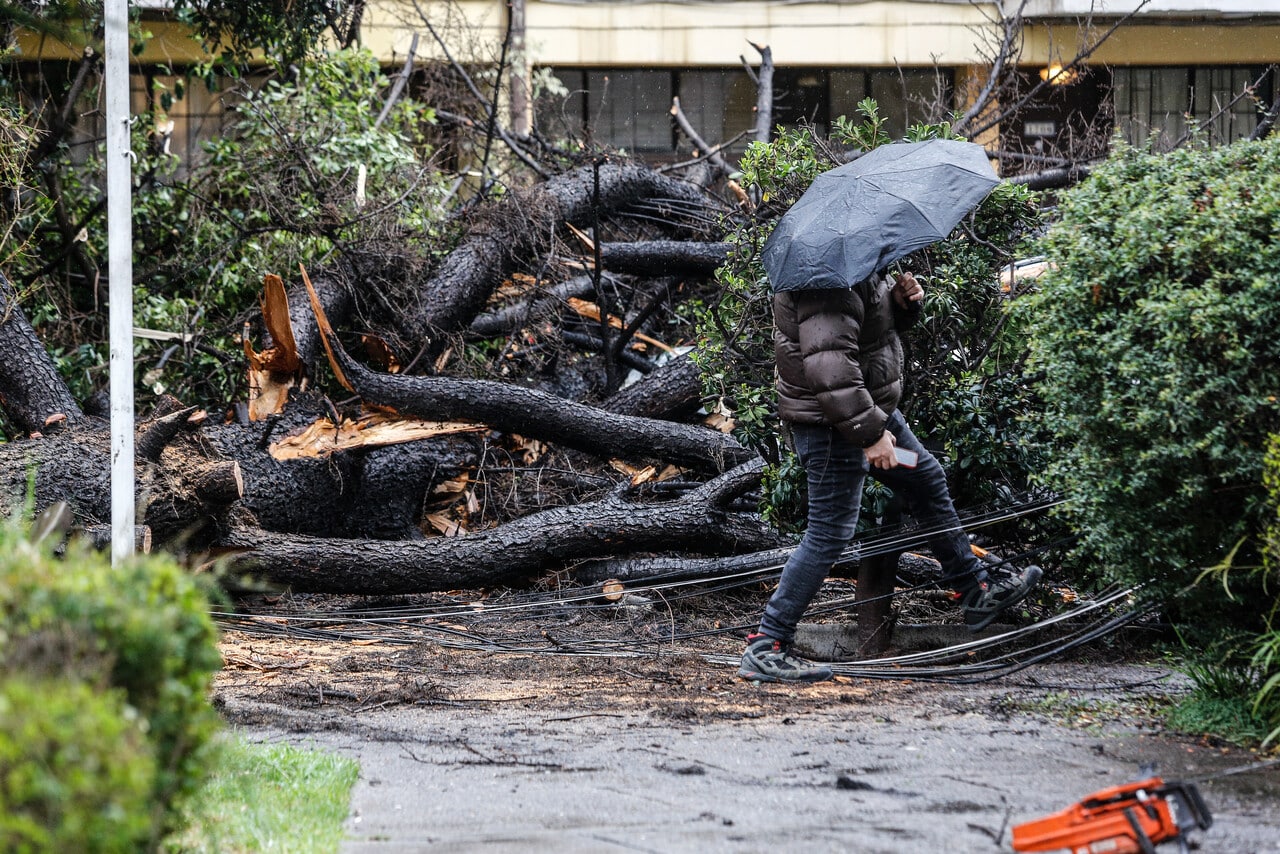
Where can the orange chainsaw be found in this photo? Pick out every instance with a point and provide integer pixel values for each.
(1129, 819)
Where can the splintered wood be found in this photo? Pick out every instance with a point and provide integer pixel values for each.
(274, 371)
(373, 430)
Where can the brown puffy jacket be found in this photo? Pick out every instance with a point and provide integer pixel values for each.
(839, 357)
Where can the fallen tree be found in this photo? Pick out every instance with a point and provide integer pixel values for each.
(192, 471)
(519, 549)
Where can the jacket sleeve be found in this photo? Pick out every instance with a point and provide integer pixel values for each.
(829, 323)
(905, 318)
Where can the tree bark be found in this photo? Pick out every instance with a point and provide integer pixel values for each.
(500, 555)
(510, 318)
(519, 89)
(376, 493)
(764, 94)
(672, 392)
(664, 257)
(31, 390)
(73, 465)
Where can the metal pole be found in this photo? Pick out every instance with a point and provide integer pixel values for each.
(120, 273)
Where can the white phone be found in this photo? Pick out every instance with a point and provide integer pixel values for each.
(905, 458)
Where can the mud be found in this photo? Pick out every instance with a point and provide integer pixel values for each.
(467, 751)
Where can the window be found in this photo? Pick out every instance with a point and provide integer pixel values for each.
(1155, 102)
(720, 105)
(1217, 102)
(631, 108)
(904, 96)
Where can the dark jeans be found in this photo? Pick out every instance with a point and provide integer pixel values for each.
(836, 469)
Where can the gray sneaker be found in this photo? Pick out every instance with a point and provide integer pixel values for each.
(767, 660)
(1002, 589)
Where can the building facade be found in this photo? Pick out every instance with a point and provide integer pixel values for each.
(607, 71)
(1149, 69)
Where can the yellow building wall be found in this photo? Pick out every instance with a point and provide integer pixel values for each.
(170, 44)
(709, 34)
(1160, 44)
(717, 34)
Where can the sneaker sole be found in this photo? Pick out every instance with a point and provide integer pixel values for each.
(991, 618)
(753, 676)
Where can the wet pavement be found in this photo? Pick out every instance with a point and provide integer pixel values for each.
(839, 767)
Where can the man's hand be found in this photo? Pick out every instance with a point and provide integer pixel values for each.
(906, 290)
(880, 455)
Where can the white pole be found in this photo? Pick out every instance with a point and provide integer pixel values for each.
(120, 272)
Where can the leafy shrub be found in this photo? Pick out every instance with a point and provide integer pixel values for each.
(75, 770)
(1155, 335)
(1266, 661)
(281, 186)
(141, 629)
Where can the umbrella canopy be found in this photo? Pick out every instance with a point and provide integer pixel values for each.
(863, 215)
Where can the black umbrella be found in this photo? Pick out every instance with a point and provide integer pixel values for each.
(862, 216)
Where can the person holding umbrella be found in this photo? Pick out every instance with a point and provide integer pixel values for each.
(837, 318)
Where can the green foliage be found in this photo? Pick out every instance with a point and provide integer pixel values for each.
(281, 187)
(1154, 333)
(1220, 702)
(784, 488)
(287, 30)
(867, 134)
(279, 190)
(965, 392)
(1266, 660)
(140, 630)
(75, 771)
(735, 344)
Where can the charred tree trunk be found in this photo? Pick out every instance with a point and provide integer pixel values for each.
(516, 409)
(672, 392)
(664, 257)
(500, 555)
(512, 317)
(454, 296)
(376, 493)
(31, 390)
(177, 497)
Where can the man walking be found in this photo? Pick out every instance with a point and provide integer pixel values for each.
(839, 361)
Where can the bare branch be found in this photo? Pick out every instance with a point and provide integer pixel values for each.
(519, 152)
(402, 80)
(711, 154)
(1268, 120)
(1010, 47)
(1075, 64)
(764, 93)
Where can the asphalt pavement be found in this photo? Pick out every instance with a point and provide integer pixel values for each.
(931, 768)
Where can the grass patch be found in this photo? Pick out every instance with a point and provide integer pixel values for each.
(1231, 719)
(1220, 703)
(268, 797)
(1091, 714)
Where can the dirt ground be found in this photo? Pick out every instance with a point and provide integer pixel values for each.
(665, 750)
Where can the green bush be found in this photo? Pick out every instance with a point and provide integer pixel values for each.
(75, 770)
(1266, 659)
(141, 629)
(1155, 332)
